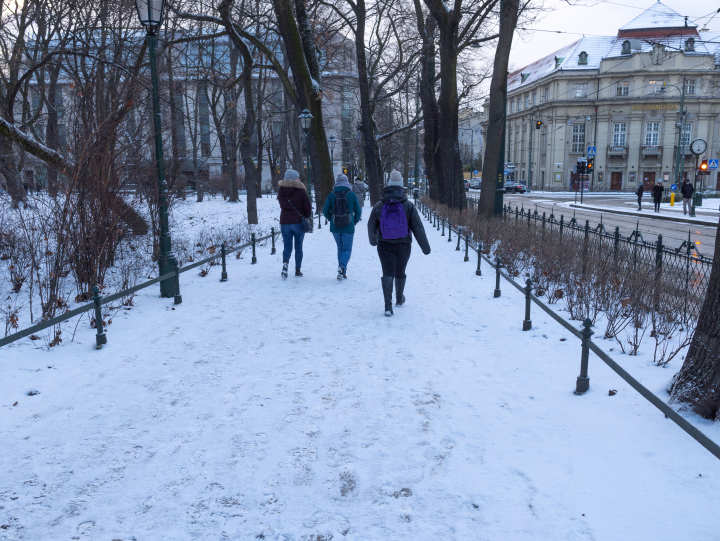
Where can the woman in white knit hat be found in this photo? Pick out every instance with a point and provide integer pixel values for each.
(392, 222)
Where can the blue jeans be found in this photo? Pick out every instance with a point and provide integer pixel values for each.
(344, 246)
(288, 232)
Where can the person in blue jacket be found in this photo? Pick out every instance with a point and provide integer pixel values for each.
(343, 211)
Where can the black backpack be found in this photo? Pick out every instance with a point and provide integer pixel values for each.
(341, 211)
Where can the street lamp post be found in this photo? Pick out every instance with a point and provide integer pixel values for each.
(150, 13)
(305, 119)
(680, 123)
(332, 142)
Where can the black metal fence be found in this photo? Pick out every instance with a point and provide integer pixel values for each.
(98, 301)
(584, 334)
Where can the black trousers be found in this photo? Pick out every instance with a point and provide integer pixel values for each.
(394, 258)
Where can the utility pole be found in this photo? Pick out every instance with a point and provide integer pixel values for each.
(532, 129)
(680, 124)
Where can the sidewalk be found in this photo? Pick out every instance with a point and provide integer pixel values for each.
(295, 411)
(704, 215)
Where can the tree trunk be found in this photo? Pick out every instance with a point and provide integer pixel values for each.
(697, 384)
(494, 137)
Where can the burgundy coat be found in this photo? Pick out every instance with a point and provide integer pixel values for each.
(294, 191)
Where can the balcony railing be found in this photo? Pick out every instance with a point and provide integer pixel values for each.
(617, 150)
(685, 150)
(651, 150)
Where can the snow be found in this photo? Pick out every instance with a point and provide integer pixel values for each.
(658, 16)
(293, 410)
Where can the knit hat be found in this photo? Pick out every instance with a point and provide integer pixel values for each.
(342, 180)
(291, 174)
(395, 178)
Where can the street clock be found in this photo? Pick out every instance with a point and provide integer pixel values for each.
(698, 146)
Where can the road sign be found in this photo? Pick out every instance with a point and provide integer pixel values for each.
(673, 187)
(592, 151)
(475, 172)
(712, 164)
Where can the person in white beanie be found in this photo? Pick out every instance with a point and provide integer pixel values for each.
(343, 211)
(294, 206)
(391, 225)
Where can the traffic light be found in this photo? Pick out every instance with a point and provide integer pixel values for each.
(581, 166)
(346, 170)
(538, 124)
(590, 165)
(704, 165)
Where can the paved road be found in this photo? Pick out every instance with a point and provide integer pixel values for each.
(674, 233)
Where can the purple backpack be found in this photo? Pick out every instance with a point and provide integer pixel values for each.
(393, 221)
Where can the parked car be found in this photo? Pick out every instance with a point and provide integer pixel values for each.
(514, 187)
(475, 183)
(467, 185)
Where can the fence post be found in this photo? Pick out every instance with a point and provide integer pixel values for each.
(100, 338)
(223, 274)
(583, 381)
(562, 223)
(434, 218)
(459, 235)
(254, 258)
(498, 265)
(443, 227)
(527, 323)
(272, 236)
(178, 297)
(659, 253)
(543, 220)
(467, 241)
(319, 224)
(616, 237)
(449, 231)
(478, 272)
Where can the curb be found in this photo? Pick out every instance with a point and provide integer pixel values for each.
(655, 217)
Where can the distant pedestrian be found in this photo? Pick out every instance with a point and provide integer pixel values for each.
(687, 190)
(360, 189)
(391, 225)
(657, 194)
(343, 211)
(294, 206)
(639, 193)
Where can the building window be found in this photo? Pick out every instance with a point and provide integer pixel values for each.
(583, 58)
(581, 90)
(578, 138)
(622, 88)
(534, 98)
(690, 44)
(512, 106)
(519, 104)
(654, 87)
(547, 93)
(652, 134)
(619, 134)
(626, 47)
(690, 86)
(527, 101)
(686, 134)
(543, 139)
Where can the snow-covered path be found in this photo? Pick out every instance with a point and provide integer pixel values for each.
(263, 409)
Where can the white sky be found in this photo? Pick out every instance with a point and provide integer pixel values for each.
(602, 18)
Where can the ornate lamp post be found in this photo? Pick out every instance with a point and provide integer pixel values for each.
(150, 13)
(332, 142)
(305, 120)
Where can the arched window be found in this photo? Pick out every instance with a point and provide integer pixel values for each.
(690, 44)
(626, 47)
(583, 58)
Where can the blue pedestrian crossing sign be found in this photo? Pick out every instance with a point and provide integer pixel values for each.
(712, 164)
(592, 151)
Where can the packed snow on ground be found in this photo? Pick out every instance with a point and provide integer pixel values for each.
(294, 410)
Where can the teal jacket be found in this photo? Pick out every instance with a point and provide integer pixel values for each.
(353, 204)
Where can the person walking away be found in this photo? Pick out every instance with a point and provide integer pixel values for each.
(343, 211)
(294, 205)
(392, 222)
(360, 189)
(657, 193)
(639, 193)
(687, 190)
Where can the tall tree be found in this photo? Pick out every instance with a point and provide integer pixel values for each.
(697, 384)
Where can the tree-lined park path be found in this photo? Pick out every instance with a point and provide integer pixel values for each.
(293, 410)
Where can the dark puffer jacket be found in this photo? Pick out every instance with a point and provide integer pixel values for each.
(657, 193)
(415, 225)
(687, 190)
(293, 191)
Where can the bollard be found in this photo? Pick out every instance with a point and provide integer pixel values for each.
(527, 323)
(178, 297)
(254, 259)
(319, 224)
(459, 235)
(272, 236)
(467, 242)
(583, 381)
(443, 227)
(498, 265)
(100, 338)
(478, 272)
(449, 231)
(434, 216)
(223, 274)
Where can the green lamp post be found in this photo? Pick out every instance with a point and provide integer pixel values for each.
(332, 142)
(305, 120)
(150, 13)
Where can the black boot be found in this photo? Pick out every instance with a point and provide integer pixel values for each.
(297, 272)
(399, 288)
(387, 286)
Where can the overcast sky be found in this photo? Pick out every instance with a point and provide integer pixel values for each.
(603, 18)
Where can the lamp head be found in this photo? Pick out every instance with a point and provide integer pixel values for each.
(332, 141)
(305, 119)
(150, 13)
